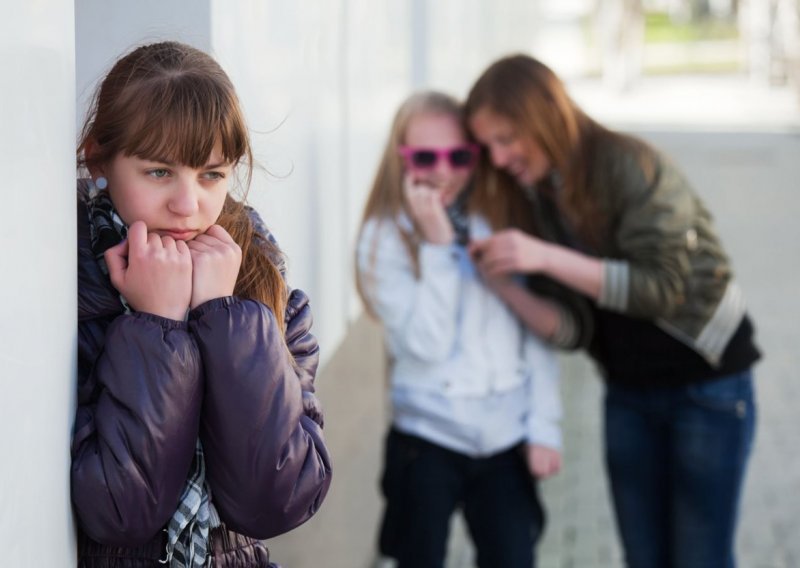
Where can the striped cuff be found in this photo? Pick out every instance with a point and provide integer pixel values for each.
(723, 324)
(566, 335)
(616, 285)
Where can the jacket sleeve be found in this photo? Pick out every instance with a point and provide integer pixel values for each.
(418, 314)
(266, 460)
(654, 236)
(305, 350)
(136, 430)
(544, 411)
(302, 344)
(576, 320)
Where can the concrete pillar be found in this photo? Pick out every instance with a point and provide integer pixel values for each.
(38, 284)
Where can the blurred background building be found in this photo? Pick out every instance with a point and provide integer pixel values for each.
(320, 81)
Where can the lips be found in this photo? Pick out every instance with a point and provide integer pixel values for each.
(178, 234)
(520, 172)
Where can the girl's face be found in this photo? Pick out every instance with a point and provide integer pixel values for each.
(172, 199)
(519, 155)
(436, 153)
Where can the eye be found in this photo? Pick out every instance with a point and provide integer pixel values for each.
(214, 176)
(424, 158)
(158, 173)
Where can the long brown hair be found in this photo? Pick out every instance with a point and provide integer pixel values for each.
(532, 97)
(386, 201)
(170, 101)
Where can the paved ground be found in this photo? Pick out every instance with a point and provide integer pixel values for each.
(750, 182)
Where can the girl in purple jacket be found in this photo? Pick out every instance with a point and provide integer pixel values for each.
(197, 432)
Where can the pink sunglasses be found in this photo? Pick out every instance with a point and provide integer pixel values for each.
(420, 158)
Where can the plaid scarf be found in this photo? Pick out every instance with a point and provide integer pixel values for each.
(187, 530)
(459, 217)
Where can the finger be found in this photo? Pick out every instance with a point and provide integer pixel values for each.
(408, 184)
(168, 243)
(154, 240)
(498, 268)
(477, 247)
(203, 240)
(416, 187)
(198, 246)
(137, 236)
(117, 261)
(218, 232)
(548, 469)
(182, 247)
(206, 240)
(415, 194)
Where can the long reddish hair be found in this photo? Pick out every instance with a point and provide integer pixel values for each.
(171, 101)
(532, 97)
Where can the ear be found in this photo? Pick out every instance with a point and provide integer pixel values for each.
(90, 149)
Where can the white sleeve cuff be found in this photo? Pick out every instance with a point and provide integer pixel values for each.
(616, 285)
(545, 433)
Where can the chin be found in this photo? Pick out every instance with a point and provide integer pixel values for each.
(524, 179)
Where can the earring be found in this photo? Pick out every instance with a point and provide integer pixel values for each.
(101, 183)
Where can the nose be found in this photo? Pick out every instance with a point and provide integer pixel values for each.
(443, 168)
(184, 198)
(499, 156)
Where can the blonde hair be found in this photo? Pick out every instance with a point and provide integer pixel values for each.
(171, 101)
(385, 201)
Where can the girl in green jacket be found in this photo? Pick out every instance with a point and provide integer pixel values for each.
(623, 259)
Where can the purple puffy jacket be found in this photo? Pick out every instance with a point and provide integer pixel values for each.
(148, 386)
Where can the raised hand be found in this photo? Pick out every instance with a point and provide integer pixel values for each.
(153, 273)
(542, 461)
(426, 208)
(510, 251)
(216, 259)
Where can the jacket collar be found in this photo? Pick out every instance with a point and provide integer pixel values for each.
(96, 296)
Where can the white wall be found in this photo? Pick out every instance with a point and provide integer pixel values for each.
(106, 29)
(38, 284)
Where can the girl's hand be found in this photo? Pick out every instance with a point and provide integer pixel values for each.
(152, 272)
(542, 461)
(510, 251)
(495, 282)
(216, 259)
(425, 205)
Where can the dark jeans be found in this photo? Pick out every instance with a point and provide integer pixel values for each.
(424, 484)
(676, 460)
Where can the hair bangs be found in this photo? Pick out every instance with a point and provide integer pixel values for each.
(171, 120)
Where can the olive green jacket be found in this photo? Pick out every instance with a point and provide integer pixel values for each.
(662, 259)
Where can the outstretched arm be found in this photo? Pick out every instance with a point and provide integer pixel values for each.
(512, 251)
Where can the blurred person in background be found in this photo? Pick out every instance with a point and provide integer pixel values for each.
(475, 401)
(623, 259)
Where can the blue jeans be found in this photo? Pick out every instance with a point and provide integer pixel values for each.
(424, 484)
(676, 459)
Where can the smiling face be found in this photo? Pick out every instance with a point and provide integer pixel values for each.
(438, 131)
(172, 199)
(510, 150)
